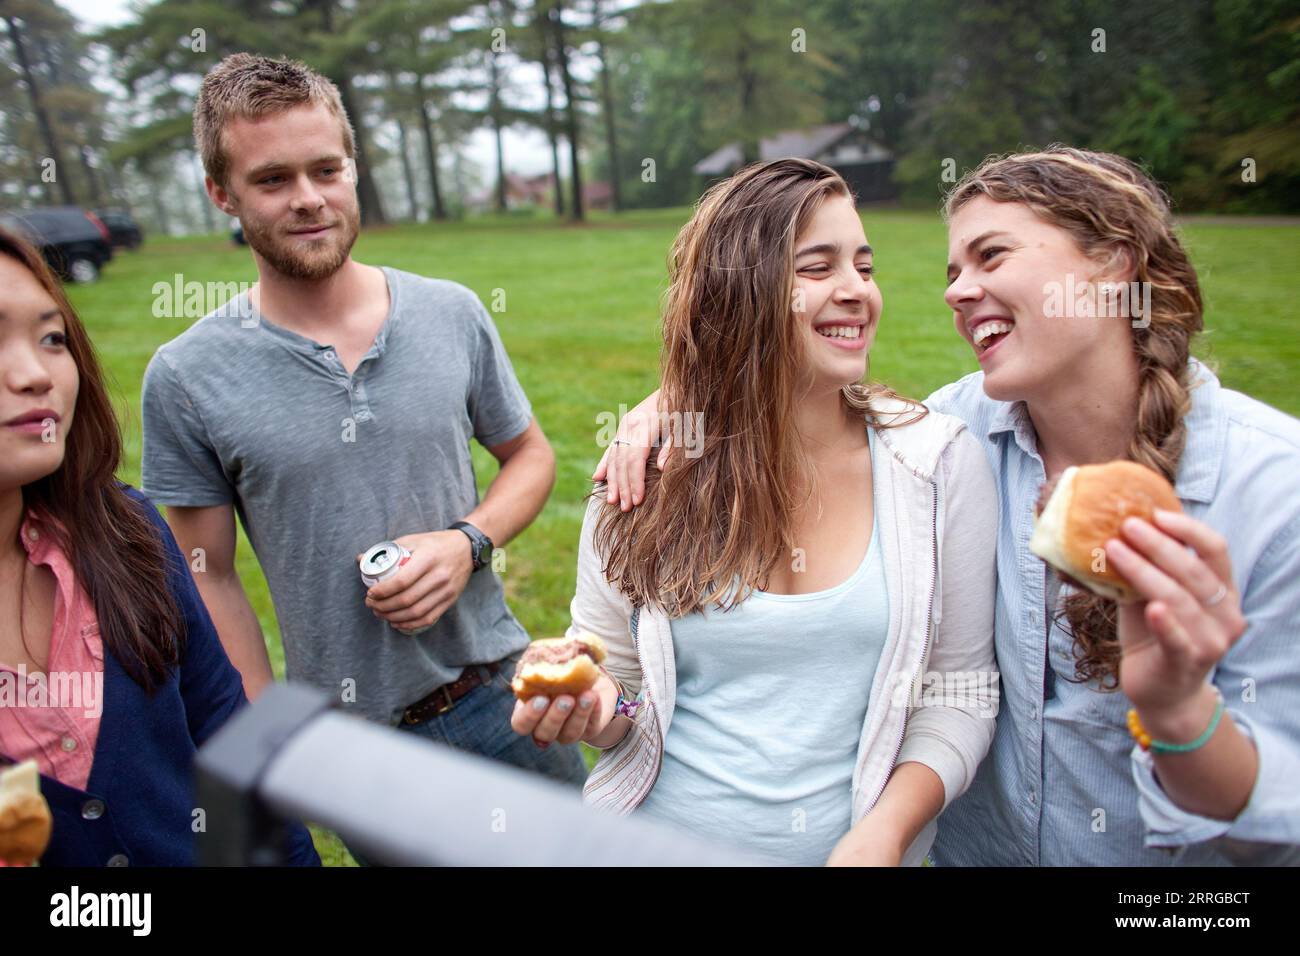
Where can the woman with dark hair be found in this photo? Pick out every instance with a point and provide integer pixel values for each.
(800, 569)
(111, 674)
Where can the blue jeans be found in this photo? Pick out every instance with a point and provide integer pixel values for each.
(480, 723)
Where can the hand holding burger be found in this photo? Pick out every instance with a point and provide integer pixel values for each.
(563, 695)
(1119, 530)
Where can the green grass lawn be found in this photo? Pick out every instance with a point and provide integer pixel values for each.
(580, 324)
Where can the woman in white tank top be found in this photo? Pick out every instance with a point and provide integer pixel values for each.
(812, 550)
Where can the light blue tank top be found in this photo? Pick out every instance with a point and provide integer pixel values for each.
(771, 699)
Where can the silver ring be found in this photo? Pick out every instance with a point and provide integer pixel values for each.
(1219, 595)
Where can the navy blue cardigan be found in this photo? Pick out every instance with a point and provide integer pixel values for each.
(138, 805)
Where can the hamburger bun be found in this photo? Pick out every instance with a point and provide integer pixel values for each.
(25, 821)
(1084, 508)
(558, 665)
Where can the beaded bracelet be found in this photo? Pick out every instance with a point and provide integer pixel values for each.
(627, 708)
(1159, 746)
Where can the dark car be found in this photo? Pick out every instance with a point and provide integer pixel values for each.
(123, 230)
(237, 233)
(74, 242)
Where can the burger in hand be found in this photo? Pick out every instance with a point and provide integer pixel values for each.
(564, 696)
(559, 665)
(1084, 508)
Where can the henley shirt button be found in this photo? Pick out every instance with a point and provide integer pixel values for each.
(68, 744)
(92, 809)
(118, 859)
(329, 355)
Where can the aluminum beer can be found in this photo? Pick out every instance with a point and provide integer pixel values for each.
(381, 562)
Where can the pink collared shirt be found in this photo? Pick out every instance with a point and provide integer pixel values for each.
(53, 718)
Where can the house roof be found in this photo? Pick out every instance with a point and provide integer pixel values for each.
(805, 143)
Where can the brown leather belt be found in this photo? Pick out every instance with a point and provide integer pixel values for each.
(442, 699)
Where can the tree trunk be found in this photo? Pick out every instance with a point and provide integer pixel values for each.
(551, 133)
(494, 110)
(38, 107)
(372, 210)
(749, 143)
(407, 171)
(117, 191)
(96, 194)
(404, 146)
(63, 122)
(571, 112)
(159, 212)
(607, 102)
(458, 175)
(431, 156)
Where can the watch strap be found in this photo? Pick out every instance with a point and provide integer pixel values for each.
(479, 542)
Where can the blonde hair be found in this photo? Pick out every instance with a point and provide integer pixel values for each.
(1112, 209)
(734, 354)
(248, 86)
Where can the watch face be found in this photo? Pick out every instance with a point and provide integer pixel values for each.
(480, 547)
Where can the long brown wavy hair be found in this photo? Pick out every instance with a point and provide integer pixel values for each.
(734, 353)
(1109, 205)
(114, 548)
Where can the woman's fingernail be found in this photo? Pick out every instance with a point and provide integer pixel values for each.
(584, 703)
(564, 706)
(539, 703)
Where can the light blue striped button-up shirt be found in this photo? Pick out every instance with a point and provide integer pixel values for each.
(1064, 783)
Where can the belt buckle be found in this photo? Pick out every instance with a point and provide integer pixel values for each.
(443, 708)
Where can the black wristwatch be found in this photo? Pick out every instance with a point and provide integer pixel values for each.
(480, 545)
